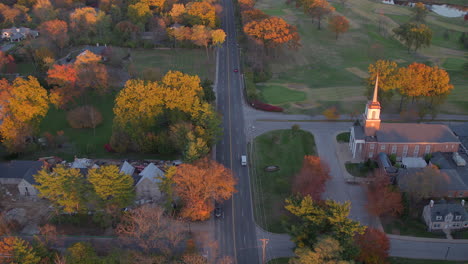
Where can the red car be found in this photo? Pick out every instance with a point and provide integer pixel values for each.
(236, 70)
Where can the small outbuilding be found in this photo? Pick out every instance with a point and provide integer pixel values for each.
(20, 174)
(147, 187)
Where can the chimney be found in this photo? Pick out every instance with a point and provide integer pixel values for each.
(431, 203)
(463, 202)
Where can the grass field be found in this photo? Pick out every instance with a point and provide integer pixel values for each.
(332, 72)
(283, 148)
(343, 137)
(86, 142)
(191, 61)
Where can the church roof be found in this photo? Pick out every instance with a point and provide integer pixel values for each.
(415, 133)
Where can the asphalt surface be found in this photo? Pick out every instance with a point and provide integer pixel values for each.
(235, 230)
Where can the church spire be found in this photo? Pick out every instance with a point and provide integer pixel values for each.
(376, 89)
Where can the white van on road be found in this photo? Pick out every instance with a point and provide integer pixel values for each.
(244, 160)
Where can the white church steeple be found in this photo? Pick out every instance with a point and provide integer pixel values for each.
(372, 113)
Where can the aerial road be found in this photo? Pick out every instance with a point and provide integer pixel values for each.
(235, 228)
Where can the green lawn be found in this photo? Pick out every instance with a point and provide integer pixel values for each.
(279, 261)
(275, 94)
(343, 137)
(85, 142)
(283, 148)
(358, 169)
(422, 261)
(329, 70)
(191, 61)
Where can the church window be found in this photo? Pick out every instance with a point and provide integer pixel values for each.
(394, 147)
(446, 146)
(416, 151)
(428, 149)
(382, 147)
(371, 146)
(458, 217)
(405, 150)
(438, 217)
(371, 154)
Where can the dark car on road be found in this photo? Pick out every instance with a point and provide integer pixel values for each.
(218, 212)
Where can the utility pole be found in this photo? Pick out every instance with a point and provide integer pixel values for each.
(264, 243)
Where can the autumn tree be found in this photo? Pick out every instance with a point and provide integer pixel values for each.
(331, 113)
(422, 80)
(327, 250)
(200, 13)
(419, 12)
(338, 24)
(414, 35)
(9, 14)
(114, 188)
(81, 253)
(200, 183)
(253, 14)
(139, 13)
(64, 187)
(387, 71)
(426, 183)
(127, 30)
(160, 232)
(16, 250)
(91, 73)
(383, 198)
(311, 178)
(374, 246)
(5, 59)
(246, 4)
(328, 217)
(179, 134)
(55, 30)
(273, 32)
(201, 36)
(83, 22)
(63, 79)
(25, 103)
(317, 9)
(44, 10)
(218, 36)
(176, 12)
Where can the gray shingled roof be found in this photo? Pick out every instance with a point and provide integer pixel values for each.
(443, 208)
(415, 133)
(359, 132)
(458, 175)
(21, 169)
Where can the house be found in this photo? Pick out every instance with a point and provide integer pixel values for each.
(20, 174)
(445, 216)
(146, 186)
(15, 34)
(371, 136)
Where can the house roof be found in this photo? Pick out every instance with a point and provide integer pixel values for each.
(359, 132)
(151, 172)
(414, 162)
(21, 169)
(81, 163)
(442, 208)
(415, 133)
(458, 175)
(127, 168)
(460, 130)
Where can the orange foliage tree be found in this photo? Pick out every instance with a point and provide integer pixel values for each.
(311, 178)
(91, 73)
(246, 4)
(273, 32)
(317, 9)
(25, 103)
(374, 246)
(5, 59)
(253, 14)
(421, 80)
(338, 24)
(55, 30)
(63, 78)
(200, 183)
(203, 11)
(383, 198)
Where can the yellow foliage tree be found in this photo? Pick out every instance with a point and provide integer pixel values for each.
(176, 12)
(218, 37)
(204, 11)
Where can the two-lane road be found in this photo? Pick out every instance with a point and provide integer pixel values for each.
(235, 231)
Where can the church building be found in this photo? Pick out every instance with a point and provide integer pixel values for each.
(371, 136)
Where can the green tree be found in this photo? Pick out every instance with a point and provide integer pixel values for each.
(327, 250)
(414, 35)
(64, 187)
(81, 253)
(166, 185)
(196, 148)
(114, 188)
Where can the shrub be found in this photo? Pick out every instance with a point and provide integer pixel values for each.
(84, 117)
(331, 113)
(265, 107)
(392, 158)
